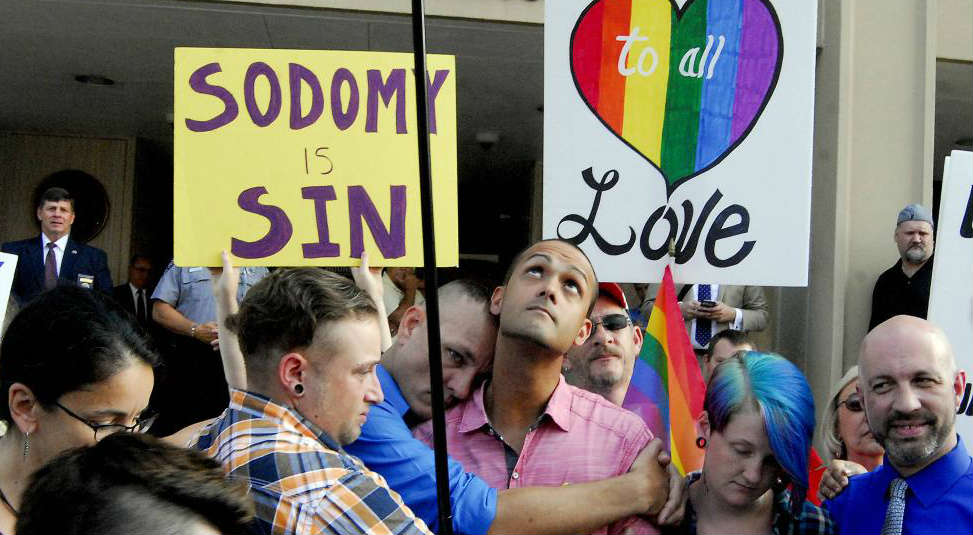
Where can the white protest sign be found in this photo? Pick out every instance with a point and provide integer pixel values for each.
(681, 121)
(951, 295)
(8, 265)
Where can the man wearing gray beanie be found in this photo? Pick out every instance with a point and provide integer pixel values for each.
(904, 288)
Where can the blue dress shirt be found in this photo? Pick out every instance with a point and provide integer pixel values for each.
(386, 445)
(939, 498)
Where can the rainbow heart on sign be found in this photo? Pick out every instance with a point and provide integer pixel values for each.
(682, 87)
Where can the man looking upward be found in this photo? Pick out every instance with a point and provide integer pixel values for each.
(468, 332)
(526, 426)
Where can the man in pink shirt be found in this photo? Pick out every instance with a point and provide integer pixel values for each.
(527, 426)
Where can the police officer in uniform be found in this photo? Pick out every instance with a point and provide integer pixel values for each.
(193, 387)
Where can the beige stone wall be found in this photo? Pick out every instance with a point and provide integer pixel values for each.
(954, 32)
(873, 153)
(892, 99)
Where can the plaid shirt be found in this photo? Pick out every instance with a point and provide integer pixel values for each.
(300, 479)
(812, 520)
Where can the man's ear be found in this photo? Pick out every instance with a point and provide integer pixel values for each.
(959, 386)
(583, 333)
(291, 371)
(496, 300)
(413, 317)
(23, 407)
(39, 212)
(637, 339)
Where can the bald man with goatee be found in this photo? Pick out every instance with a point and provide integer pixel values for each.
(911, 388)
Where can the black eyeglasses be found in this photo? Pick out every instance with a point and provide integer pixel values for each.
(852, 403)
(611, 322)
(141, 425)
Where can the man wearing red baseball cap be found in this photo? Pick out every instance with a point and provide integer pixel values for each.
(605, 363)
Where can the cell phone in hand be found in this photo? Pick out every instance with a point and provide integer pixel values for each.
(707, 304)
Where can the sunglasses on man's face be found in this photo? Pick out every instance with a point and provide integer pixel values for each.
(611, 322)
(852, 403)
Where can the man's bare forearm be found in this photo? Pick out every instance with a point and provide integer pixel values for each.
(234, 369)
(580, 508)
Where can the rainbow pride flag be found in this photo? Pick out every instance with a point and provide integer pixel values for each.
(685, 87)
(671, 377)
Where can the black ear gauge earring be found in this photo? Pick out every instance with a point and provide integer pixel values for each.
(700, 442)
(298, 389)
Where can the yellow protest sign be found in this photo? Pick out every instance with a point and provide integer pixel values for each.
(307, 157)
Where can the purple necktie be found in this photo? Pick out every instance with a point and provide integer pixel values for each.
(50, 267)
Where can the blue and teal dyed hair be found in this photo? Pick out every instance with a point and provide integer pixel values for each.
(779, 391)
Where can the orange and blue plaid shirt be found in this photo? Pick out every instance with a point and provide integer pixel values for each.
(301, 480)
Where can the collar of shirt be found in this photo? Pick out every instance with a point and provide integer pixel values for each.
(811, 519)
(135, 291)
(926, 268)
(260, 406)
(393, 395)
(713, 288)
(932, 482)
(781, 507)
(558, 409)
(61, 243)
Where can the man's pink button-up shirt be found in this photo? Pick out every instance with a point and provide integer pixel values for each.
(582, 437)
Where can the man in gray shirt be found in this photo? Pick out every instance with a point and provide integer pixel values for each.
(192, 386)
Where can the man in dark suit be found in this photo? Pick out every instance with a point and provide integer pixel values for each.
(53, 258)
(134, 295)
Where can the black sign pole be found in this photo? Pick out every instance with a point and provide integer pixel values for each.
(429, 260)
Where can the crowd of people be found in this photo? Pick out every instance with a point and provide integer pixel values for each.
(294, 409)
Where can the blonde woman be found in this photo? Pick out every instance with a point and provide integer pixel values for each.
(850, 447)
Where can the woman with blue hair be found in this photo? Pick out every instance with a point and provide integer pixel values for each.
(756, 427)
